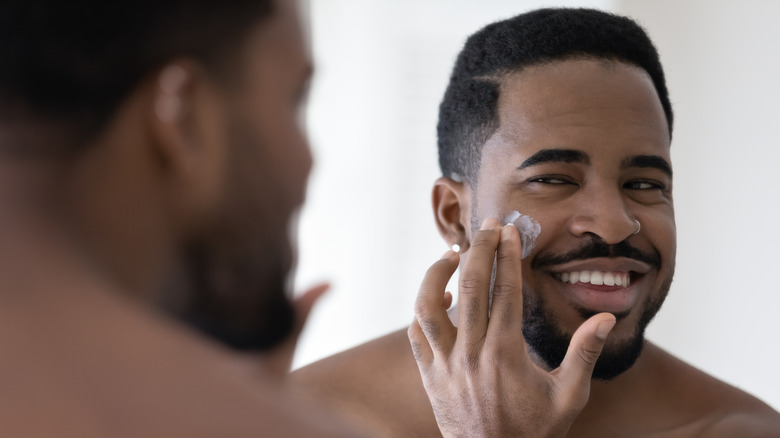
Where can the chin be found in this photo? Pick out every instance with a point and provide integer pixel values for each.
(550, 342)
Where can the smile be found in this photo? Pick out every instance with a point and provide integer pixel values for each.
(596, 278)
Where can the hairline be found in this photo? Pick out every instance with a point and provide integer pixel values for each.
(498, 80)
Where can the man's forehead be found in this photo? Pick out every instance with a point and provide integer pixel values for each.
(573, 103)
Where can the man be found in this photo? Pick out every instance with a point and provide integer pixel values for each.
(151, 160)
(564, 116)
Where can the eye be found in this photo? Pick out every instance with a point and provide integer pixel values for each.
(643, 185)
(549, 179)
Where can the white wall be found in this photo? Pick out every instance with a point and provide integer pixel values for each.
(381, 69)
(722, 60)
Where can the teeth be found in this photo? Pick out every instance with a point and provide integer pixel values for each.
(597, 278)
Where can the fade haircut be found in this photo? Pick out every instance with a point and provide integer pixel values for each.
(66, 65)
(468, 114)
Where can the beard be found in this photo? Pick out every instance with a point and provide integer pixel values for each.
(550, 343)
(233, 279)
(240, 301)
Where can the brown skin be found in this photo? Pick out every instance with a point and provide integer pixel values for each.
(93, 243)
(610, 112)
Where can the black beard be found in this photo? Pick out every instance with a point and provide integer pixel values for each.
(234, 278)
(240, 302)
(549, 343)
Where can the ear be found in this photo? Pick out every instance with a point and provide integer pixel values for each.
(452, 211)
(189, 136)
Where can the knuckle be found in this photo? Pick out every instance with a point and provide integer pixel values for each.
(471, 286)
(503, 289)
(470, 360)
(422, 309)
(416, 351)
(589, 355)
(414, 332)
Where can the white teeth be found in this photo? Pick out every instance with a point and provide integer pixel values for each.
(597, 278)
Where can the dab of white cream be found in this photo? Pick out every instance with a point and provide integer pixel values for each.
(528, 228)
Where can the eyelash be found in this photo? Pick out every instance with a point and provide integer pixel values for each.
(549, 179)
(631, 185)
(652, 185)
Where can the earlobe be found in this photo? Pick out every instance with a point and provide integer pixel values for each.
(451, 209)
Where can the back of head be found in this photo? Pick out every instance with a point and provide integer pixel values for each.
(66, 65)
(468, 113)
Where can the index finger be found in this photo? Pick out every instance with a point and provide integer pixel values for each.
(506, 309)
(474, 285)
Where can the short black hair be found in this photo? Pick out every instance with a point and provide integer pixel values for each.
(72, 62)
(468, 113)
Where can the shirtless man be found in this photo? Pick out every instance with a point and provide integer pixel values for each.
(150, 162)
(564, 116)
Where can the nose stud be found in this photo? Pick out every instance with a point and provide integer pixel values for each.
(638, 227)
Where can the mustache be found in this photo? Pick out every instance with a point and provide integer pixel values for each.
(596, 248)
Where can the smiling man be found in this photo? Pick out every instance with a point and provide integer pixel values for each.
(564, 116)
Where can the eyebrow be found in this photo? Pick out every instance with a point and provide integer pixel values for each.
(648, 161)
(555, 156)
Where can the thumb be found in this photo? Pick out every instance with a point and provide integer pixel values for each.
(279, 359)
(303, 305)
(584, 349)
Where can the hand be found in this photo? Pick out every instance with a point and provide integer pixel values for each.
(479, 376)
(279, 359)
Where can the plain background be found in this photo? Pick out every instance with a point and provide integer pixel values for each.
(381, 69)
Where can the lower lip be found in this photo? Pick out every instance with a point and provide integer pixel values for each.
(613, 299)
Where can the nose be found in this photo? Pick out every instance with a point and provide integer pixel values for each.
(603, 213)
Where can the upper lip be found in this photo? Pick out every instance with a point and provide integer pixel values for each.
(617, 264)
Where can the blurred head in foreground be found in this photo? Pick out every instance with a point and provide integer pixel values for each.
(163, 139)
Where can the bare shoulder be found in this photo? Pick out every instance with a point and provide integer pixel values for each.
(716, 407)
(376, 384)
(750, 422)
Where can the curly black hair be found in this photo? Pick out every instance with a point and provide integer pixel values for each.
(468, 113)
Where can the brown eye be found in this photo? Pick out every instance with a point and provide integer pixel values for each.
(549, 180)
(643, 185)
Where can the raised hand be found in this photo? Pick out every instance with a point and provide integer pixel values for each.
(479, 376)
(279, 359)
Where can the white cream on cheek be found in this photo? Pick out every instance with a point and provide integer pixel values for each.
(528, 228)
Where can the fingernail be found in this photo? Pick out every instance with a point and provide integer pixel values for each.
(489, 223)
(604, 328)
(506, 231)
(449, 253)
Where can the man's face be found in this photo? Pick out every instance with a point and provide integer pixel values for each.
(239, 265)
(583, 148)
